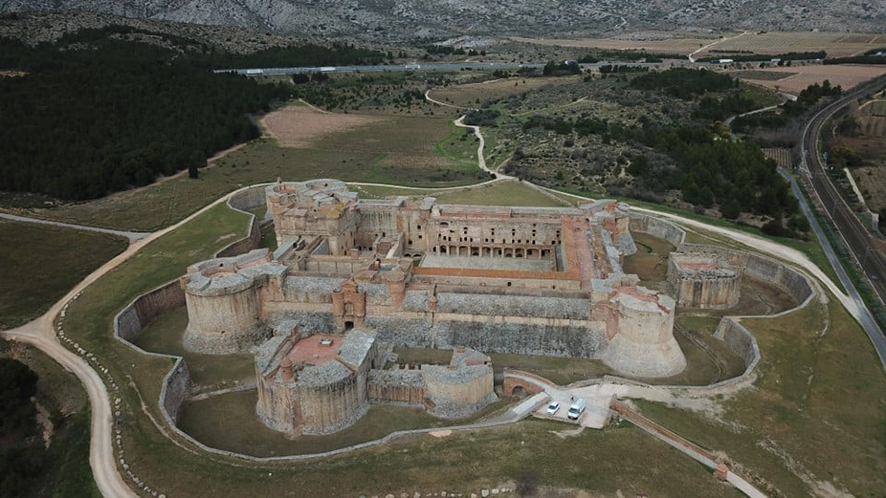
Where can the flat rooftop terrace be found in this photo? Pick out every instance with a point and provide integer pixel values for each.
(489, 263)
(311, 351)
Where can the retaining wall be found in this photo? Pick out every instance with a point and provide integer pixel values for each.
(762, 268)
(132, 319)
(657, 227)
(738, 338)
(244, 201)
(129, 322)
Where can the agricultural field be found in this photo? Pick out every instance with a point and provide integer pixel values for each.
(866, 139)
(766, 43)
(779, 42)
(657, 42)
(796, 78)
(40, 263)
(781, 156)
(299, 125)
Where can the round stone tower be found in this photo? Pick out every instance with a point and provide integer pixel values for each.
(644, 345)
(223, 310)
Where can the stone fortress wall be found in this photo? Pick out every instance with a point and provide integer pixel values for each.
(431, 275)
(703, 281)
(404, 386)
(762, 268)
(455, 390)
(131, 320)
(307, 395)
(750, 265)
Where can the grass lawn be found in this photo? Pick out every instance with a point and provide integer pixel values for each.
(650, 262)
(815, 416)
(210, 371)
(228, 422)
(499, 194)
(377, 192)
(40, 263)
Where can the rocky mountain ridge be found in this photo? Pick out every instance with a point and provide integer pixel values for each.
(404, 20)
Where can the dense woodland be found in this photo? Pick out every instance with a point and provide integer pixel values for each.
(102, 110)
(684, 83)
(27, 468)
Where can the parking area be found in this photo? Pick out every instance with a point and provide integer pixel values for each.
(595, 415)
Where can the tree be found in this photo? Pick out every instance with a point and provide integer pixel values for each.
(730, 209)
(640, 166)
(17, 384)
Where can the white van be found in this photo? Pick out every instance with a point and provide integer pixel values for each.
(577, 408)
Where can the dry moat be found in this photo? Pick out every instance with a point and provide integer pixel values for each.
(420, 387)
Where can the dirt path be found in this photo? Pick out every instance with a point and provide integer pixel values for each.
(132, 236)
(312, 106)
(40, 334)
(209, 163)
(434, 101)
(691, 56)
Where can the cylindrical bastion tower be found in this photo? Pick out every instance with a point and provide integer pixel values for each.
(223, 308)
(644, 345)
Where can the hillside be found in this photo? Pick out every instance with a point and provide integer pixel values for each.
(398, 20)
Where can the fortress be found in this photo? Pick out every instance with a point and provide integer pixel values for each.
(368, 274)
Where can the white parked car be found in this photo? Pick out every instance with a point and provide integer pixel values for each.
(577, 408)
(553, 407)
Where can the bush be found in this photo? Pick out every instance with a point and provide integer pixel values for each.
(776, 229)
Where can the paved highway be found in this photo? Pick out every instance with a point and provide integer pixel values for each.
(854, 234)
(448, 66)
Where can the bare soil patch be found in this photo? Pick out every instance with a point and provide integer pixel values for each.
(799, 77)
(301, 126)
